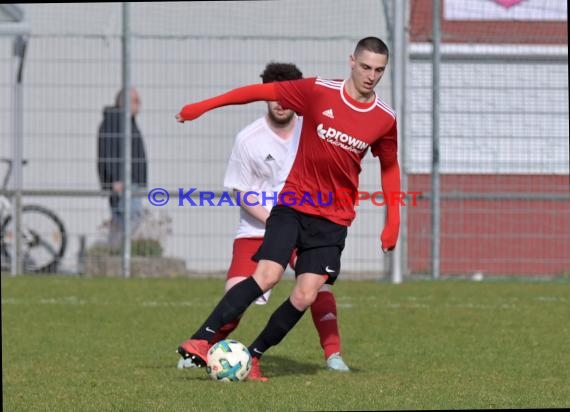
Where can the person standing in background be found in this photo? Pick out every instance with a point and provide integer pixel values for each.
(110, 163)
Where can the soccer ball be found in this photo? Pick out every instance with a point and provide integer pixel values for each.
(228, 361)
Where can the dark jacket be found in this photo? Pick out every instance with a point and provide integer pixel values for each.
(110, 144)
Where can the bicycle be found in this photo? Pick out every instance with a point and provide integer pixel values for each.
(44, 238)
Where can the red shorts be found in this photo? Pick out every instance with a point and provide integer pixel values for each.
(243, 251)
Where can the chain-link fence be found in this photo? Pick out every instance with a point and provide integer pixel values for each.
(505, 204)
(181, 52)
(504, 125)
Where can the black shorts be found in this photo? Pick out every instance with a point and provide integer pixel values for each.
(319, 242)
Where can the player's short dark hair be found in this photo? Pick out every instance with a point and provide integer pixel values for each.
(276, 72)
(372, 44)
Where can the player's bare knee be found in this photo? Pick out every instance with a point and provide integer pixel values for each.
(267, 274)
(303, 298)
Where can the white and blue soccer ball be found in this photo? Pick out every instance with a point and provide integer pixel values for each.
(228, 361)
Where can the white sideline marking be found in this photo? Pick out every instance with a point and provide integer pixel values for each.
(69, 300)
(550, 299)
(72, 300)
(411, 302)
(182, 303)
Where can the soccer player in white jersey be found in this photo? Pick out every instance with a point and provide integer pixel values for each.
(342, 119)
(259, 164)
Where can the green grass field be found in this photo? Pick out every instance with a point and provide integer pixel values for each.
(76, 344)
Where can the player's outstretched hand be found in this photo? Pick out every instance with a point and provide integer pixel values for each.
(191, 111)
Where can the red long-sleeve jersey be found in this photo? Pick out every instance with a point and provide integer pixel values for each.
(337, 132)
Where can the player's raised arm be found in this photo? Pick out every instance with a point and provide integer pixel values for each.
(241, 95)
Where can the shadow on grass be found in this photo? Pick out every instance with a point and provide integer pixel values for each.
(272, 366)
(283, 366)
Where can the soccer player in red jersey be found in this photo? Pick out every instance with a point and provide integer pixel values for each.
(260, 161)
(341, 120)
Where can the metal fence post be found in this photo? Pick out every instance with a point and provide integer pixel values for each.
(127, 192)
(435, 182)
(398, 97)
(17, 263)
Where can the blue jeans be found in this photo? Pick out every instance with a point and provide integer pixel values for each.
(118, 215)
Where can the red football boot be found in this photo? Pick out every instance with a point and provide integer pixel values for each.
(194, 353)
(255, 373)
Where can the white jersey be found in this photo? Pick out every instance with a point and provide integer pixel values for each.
(257, 164)
(291, 154)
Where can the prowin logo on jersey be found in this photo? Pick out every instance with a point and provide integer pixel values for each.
(337, 137)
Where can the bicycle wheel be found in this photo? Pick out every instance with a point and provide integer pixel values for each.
(43, 239)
